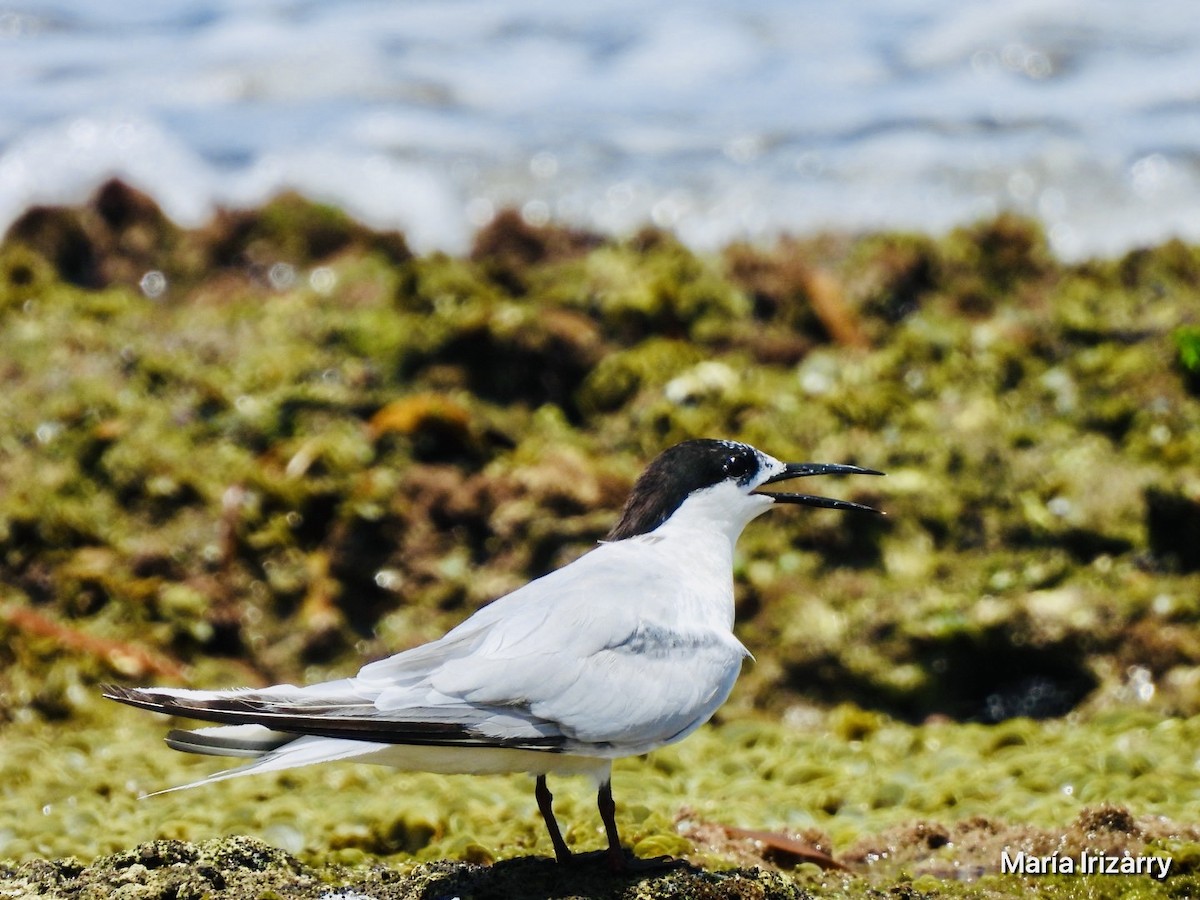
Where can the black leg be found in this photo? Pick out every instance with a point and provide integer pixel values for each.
(617, 859)
(544, 801)
(608, 811)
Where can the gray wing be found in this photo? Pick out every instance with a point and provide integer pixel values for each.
(614, 670)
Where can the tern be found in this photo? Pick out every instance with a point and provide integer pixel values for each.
(627, 649)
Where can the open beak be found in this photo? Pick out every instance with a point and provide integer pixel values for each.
(802, 470)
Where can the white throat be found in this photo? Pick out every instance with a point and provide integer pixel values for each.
(723, 509)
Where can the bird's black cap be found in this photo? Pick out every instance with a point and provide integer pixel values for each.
(677, 472)
(693, 465)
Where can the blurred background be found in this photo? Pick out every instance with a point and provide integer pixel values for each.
(254, 430)
(719, 120)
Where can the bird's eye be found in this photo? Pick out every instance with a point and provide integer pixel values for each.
(740, 464)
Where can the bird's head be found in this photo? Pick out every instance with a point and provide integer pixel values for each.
(718, 484)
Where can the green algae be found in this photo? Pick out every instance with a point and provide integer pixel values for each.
(1187, 347)
(861, 780)
(313, 447)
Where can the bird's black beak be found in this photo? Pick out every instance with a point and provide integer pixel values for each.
(802, 470)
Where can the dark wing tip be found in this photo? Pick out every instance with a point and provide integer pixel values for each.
(139, 697)
(118, 693)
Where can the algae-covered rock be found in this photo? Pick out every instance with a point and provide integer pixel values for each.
(25, 275)
(243, 869)
(1027, 435)
(619, 376)
(650, 286)
(234, 867)
(1034, 422)
(266, 449)
(121, 237)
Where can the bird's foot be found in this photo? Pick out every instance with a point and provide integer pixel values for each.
(623, 862)
(626, 863)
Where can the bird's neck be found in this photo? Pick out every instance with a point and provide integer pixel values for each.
(697, 542)
(722, 511)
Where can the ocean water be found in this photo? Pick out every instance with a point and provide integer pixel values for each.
(721, 120)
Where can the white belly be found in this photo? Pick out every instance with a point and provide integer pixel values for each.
(484, 761)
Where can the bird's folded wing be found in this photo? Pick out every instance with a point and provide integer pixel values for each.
(605, 670)
(291, 710)
(639, 690)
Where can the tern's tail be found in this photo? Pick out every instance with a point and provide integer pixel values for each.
(297, 751)
(240, 740)
(247, 741)
(271, 751)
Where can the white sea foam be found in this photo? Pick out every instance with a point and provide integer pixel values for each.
(719, 119)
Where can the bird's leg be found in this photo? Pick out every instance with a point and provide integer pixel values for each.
(620, 862)
(608, 812)
(545, 801)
